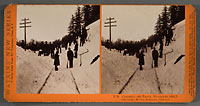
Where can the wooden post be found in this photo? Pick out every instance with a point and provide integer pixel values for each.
(109, 24)
(24, 25)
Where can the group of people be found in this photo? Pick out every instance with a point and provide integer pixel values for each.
(155, 56)
(70, 56)
(70, 53)
(48, 49)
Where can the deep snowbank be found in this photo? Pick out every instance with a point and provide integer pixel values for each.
(33, 70)
(122, 73)
(172, 76)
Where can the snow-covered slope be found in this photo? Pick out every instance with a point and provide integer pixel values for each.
(116, 70)
(121, 74)
(31, 71)
(36, 74)
(172, 76)
(87, 76)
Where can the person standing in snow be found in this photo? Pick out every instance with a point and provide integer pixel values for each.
(161, 49)
(60, 49)
(76, 50)
(70, 56)
(125, 52)
(155, 57)
(83, 36)
(141, 59)
(169, 35)
(56, 61)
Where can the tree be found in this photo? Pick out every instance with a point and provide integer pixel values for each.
(173, 14)
(71, 30)
(71, 25)
(158, 25)
(86, 13)
(177, 14)
(77, 23)
(165, 19)
(181, 13)
(95, 13)
(165, 23)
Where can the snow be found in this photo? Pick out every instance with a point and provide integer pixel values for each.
(121, 74)
(172, 76)
(30, 73)
(36, 74)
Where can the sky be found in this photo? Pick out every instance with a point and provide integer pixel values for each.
(134, 22)
(48, 22)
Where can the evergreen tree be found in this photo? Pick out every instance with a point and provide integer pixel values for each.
(78, 21)
(71, 30)
(165, 20)
(165, 23)
(95, 12)
(173, 14)
(158, 26)
(86, 13)
(177, 14)
(181, 13)
(82, 17)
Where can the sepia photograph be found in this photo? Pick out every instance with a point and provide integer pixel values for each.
(143, 49)
(58, 49)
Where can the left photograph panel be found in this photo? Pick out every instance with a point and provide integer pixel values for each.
(58, 49)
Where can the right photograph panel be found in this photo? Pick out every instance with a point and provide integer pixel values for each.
(143, 49)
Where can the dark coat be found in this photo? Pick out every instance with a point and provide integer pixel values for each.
(70, 55)
(141, 58)
(155, 54)
(161, 46)
(56, 60)
(84, 33)
(170, 33)
(76, 47)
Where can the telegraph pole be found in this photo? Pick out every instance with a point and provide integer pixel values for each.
(109, 22)
(24, 25)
